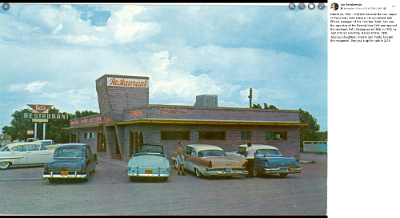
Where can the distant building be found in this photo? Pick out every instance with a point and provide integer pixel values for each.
(126, 119)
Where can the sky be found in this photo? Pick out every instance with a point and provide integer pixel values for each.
(52, 54)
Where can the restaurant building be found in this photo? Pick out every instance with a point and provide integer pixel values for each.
(126, 119)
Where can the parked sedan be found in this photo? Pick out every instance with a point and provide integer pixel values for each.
(211, 160)
(269, 160)
(148, 160)
(71, 161)
(48, 143)
(24, 154)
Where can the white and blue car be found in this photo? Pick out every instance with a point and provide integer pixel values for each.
(24, 154)
(269, 160)
(148, 160)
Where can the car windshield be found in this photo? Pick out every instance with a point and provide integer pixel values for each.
(77, 153)
(5, 148)
(212, 153)
(147, 149)
(241, 150)
(268, 152)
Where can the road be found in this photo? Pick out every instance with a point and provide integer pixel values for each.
(109, 192)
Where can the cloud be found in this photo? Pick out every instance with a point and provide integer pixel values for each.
(31, 87)
(35, 86)
(58, 28)
(54, 52)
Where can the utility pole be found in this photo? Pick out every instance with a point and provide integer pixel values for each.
(250, 97)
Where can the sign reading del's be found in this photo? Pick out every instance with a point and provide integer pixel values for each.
(40, 113)
(40, 108)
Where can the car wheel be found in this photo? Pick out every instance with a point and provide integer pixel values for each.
(4, 165)
(283, 174)
(198, 173)
(132, 178)
(52, 180)
(87, 177)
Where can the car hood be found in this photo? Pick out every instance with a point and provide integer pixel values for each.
(65, 163)
(224, 162)
(152, 161)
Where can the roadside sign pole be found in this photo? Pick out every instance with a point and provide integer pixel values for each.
(35, 131)
(44, 130)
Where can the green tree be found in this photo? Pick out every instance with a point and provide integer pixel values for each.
(79, 114)
(270, 106)
(265, 106)
(256, 106)
(311, 131)
(307, 133)
(19, 126)
(55, 128)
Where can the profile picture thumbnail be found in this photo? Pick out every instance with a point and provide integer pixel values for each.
(335, 6)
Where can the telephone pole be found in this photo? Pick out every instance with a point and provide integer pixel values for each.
(250, 97)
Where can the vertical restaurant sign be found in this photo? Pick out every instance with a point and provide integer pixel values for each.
(126, 82)
(40, 108)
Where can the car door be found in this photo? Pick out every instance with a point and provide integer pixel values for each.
(18, 154)
(32, 154)
(37, 154)
(187, 156)
(192, 156)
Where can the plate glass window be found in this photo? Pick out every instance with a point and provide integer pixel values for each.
(211, 135)
(245, 135)
(276, 135)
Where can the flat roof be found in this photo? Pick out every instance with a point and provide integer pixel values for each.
(212, 122)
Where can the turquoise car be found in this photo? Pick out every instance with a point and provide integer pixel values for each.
(148, 160)
(269, 160)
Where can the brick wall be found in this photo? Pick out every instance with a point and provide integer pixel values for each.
(114, 99)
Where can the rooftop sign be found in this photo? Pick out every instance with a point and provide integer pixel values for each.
(126, 82)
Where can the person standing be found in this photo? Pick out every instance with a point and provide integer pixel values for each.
(250, 154)
(180, 160)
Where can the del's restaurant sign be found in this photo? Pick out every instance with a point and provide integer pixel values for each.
(125, 82)
(41, 113)
(45, 116)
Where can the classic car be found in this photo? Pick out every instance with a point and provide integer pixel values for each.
(48, 143)
(24, 154)
(211, 160)
(148, 160)
(269, 160)
(71, 161)
(30, 139)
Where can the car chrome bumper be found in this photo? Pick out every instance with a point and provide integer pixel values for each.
(281, 170)
(154, 172)
(225, 173)
(52, 175)
(147, 175)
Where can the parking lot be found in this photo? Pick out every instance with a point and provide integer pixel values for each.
(110, 192)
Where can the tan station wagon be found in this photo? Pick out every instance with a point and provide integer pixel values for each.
(211, 160)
